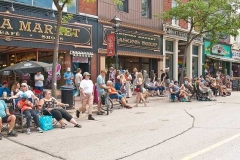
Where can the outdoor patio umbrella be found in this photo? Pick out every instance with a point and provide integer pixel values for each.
(26, 67)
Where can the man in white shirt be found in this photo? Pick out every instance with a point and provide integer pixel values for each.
(78, 79)
(39, 78)
(87, 95)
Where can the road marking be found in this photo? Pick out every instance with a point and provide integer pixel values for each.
(210, 147)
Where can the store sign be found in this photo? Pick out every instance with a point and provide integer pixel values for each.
(181, 34)
(58, 73)
(235, 54)
(111, 44)
(132, 39)
(220, 50)
(31, 29)
(79, 60)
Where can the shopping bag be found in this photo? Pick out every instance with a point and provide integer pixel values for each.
(46, 123)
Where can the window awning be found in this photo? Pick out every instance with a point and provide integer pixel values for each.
(223, 59)
(81, 54)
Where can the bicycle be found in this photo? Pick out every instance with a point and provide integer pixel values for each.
(108, 105)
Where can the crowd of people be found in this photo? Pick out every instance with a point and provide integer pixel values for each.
(118, 84)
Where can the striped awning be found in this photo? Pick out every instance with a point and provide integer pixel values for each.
(81, 54)
(223, 59)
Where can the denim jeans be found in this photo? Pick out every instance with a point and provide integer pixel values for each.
(31, 113)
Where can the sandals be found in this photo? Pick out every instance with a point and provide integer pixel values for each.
(78, 126)
(127, 107)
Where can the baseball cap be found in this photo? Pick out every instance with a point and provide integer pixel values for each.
(24, 84)
(86, 74)
(5, 82)
(24, 96)
(68, 69)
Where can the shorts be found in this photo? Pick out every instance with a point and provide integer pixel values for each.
(88, 99)
(5, 119)
(116, 96)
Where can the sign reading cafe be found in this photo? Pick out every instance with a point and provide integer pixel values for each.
(35, 29)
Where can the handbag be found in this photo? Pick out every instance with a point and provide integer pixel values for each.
(46, 123)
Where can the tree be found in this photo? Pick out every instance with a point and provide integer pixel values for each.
(211, 18)
(60, 4)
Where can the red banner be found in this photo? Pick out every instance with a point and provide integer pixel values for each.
(111, 44)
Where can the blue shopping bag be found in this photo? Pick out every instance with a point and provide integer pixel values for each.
(46, 123)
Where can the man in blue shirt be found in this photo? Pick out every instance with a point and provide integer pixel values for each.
(100, 88)
(4, 88)
(5, 117)
(68, 76)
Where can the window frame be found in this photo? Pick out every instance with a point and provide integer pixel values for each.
(175, 21)
(149, 9)
(125, 3)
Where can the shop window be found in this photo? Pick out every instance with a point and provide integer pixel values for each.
(169, 63)
(124, 6)
(194, 67)
(29, 2)
(195, 50)
(169, 46)
(146, 8)
(3, 63)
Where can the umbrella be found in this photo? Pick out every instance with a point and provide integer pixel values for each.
(27, 67)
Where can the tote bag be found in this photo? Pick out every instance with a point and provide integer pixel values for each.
(46, 123)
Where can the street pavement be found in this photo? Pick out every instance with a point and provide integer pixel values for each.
(162, 131)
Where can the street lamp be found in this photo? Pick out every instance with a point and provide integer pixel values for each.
(115, 24)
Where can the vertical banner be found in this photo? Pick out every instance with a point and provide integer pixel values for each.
(111, 44)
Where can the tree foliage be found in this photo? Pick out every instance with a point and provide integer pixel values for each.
(210, 18)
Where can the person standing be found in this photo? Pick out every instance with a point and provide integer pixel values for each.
(68, 76)
(139, 89)
(100, 88)
(128, 78)
(39, 78)
(78, 79)
(4, 88)
(167, 78)
(86, 94)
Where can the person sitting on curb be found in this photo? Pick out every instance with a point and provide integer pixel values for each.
(86, 89)
(49, 106)
(150, 86)
(113, 94)
(26, 107)
(5, 117)
(160, 87)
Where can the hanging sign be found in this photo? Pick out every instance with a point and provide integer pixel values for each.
(111, 44)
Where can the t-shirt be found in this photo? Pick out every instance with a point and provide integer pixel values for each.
(3, 107)
(68, 75)
(162, 76)
(78, 78)
(28, 93)
(112, 90)
(39, 83)
(87, 86)
(100, 80)
(23, 105)
(3, 89)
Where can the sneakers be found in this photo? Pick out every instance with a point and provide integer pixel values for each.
(0, 136)
(12, 134)
(77, 113)
(90, 117)
(28, 131)
(39, 130)
(99, 113)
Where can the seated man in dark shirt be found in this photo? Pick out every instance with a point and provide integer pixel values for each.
(4, 88)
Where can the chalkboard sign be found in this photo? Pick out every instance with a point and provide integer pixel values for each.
(235, 85)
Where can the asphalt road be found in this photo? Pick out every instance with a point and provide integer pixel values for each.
(162, 131)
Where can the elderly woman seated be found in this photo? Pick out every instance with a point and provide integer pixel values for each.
(180, 92)
(150, 86)
(113, 94)
(204, 89)
(160, 87)
(50, 106)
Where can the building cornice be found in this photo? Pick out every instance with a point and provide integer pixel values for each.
(132, 54)
(135, 27)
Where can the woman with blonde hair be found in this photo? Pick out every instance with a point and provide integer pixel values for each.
(15, 88)
(139, 89)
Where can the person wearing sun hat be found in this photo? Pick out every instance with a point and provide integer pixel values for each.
(86, 95)
(26, 107)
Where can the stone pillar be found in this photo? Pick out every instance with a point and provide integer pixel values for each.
(189, 61)
(200, 62)
(102, 62)
(175, 59)
(164, 53)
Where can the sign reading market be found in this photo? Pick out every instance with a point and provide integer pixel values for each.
(17, 27)
(127, 38)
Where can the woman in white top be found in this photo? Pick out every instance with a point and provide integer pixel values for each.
(87, 95)
(24, 89)
(128, 85)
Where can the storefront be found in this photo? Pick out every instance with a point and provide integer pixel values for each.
(174, 44)
(28, 33)
(217, 58)
(137, 47)
(236, 63)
